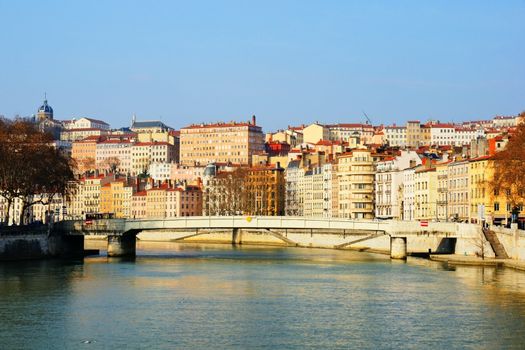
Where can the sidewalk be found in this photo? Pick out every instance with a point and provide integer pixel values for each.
(454, 259)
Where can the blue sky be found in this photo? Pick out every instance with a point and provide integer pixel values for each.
(288, 62)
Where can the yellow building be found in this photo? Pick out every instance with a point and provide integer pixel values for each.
(86, 199)
(265, 188)
(442, 196)
(156, 202)
(355, 181)
(417, 134)
(425, 193)
(480, 197)
(486, 204)
(115, 198)
(315, 132)
(143, 154)
(221, 142)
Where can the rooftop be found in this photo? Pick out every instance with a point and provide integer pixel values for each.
(149, 124)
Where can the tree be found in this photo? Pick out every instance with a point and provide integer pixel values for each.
(88, 164)
(509, 168)
(111, 164)
(480, 242)
(31, 169)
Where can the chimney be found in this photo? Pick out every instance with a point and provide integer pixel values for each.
(253, 120)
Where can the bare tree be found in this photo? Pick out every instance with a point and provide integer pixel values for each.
(88, 164)
(111, 164)
(31, 169)
(480, 242)
(509, 168)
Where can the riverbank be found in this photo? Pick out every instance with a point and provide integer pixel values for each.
(37, 242)
(452, 259)
(455, 259)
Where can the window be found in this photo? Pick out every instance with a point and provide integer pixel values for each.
(496, 206)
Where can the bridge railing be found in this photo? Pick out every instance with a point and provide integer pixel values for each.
(255, 222)
(391, 227)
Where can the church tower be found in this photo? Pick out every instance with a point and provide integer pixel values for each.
(45, 111)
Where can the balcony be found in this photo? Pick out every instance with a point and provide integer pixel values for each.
(362, 190)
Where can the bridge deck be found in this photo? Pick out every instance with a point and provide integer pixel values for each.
(391, 227)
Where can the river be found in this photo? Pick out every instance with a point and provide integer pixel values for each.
(182, 296)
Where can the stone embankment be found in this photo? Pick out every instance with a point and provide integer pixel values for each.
(36, 242)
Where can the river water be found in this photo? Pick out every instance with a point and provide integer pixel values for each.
(217, 297)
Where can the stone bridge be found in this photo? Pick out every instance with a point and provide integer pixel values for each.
(388, 235)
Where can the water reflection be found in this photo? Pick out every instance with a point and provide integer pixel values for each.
(213, 296)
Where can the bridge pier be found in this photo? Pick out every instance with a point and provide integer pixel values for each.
(236, 236)
(122, 245)
(398, 248)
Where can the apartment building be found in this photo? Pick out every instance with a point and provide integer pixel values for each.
(425, 193)
(355, 180)
(221, 142)
(114, 154)
(396, 136)
(115, 198)
(458, 190)
(145, 153)
(442, 191)
(389, 182)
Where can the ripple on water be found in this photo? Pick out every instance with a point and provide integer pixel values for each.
(212, 296)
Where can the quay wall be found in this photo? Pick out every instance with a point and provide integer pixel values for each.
(513, 240)
(26, 243)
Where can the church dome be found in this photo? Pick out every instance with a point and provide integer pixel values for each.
(210, 170)
(45, 108)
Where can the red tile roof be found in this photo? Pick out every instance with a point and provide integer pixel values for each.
(152, 144)
(218, 125)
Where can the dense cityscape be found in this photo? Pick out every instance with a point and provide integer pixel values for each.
(264, 175)
(424, 170)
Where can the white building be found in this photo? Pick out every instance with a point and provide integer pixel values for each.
(293, 200)
(442, 134)
(160, 171)
(464, 136)
(114, 153)
(346, 131)
(85, 123)
(389, 180)
(458, 190)
(316, 191)
(408, 191)
(505, 121)
(395, 135)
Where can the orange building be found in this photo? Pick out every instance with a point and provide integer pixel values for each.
(266, 188)
(84, 150)
(221, 142)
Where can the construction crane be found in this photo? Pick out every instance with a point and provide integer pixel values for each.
(368, 121)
